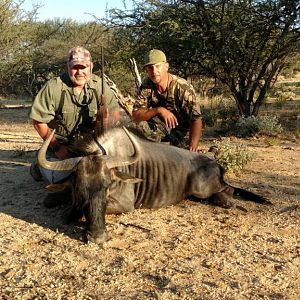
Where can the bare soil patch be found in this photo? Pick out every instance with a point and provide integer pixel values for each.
(189, 251)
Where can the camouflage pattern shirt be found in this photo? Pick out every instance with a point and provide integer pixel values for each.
(180, 98)
(61, 108)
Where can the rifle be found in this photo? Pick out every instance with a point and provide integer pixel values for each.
(102, 117)
(125, 102)
(136, 73)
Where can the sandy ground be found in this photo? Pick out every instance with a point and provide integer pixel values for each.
(189, 251)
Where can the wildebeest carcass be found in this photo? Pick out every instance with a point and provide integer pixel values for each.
(123, 172)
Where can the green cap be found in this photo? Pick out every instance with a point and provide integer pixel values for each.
(154, 56)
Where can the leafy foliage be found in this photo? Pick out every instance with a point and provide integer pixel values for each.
(283, 97)
(265, 125)
(31, 52)
(232, 157)
(221, 111)
(244, 44)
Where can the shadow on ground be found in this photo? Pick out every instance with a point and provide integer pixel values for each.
(22, 198)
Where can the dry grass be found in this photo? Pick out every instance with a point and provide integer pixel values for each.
(188, 251)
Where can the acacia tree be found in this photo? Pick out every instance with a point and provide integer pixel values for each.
(53, 40)
(248, 43)
(32, 52)
(15, 31)
(242, 43)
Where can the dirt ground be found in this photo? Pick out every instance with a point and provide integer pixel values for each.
(188, 251)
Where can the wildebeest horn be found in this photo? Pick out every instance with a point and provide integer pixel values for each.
(60, 165)
(113, 162)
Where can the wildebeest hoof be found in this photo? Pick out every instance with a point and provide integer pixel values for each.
(224, 204)
(98, 238)
(221, 199)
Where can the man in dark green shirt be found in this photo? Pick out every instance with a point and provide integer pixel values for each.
(69, 104)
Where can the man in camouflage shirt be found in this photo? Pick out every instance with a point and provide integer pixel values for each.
(69, 104)
(168, 103)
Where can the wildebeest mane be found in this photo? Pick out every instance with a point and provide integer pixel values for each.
(86, 143)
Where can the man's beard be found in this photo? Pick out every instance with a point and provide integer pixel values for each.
(78, 81)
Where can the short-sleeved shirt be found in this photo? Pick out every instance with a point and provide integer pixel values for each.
(61, 108)
(180, 98)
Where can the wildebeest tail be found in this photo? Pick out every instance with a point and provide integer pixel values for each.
(250, 196)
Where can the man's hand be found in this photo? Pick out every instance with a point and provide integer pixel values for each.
(167, 116)
(62, 152)
(115, 117)
(109, 119)
(103, 117)
(194, 147)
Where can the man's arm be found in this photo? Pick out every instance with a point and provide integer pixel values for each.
(44, 131)
(164, 114)
(195, 134)
(61, 151)
(142, 114)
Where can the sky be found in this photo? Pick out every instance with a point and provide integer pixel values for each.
(78, 10)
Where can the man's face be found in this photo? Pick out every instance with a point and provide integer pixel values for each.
(80, 74)
(157, 72)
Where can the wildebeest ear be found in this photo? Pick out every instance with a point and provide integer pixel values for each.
(125, 177)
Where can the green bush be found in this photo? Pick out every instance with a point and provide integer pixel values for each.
(264, 125)
(228, 111)
(221, 111)
(209, 116)
(272, 141)
(283, 97)
(232, 157)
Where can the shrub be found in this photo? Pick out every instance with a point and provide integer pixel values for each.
(283, 97)
(228, 111)
(232, 157)
(220, 109)
(209, 116)
(229, 115)
(272, 141)
(264, 125)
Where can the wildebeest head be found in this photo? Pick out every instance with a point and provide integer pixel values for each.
(91, 179)
(70, 163)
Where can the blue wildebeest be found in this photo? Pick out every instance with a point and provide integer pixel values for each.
(123, 171)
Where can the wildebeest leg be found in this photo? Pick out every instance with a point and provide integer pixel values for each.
(72, 214)
(94, 212)
(220, 199)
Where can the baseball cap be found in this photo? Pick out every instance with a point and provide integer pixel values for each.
(154, 56)
(79, 56)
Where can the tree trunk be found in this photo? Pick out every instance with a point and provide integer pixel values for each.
(243, 103)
